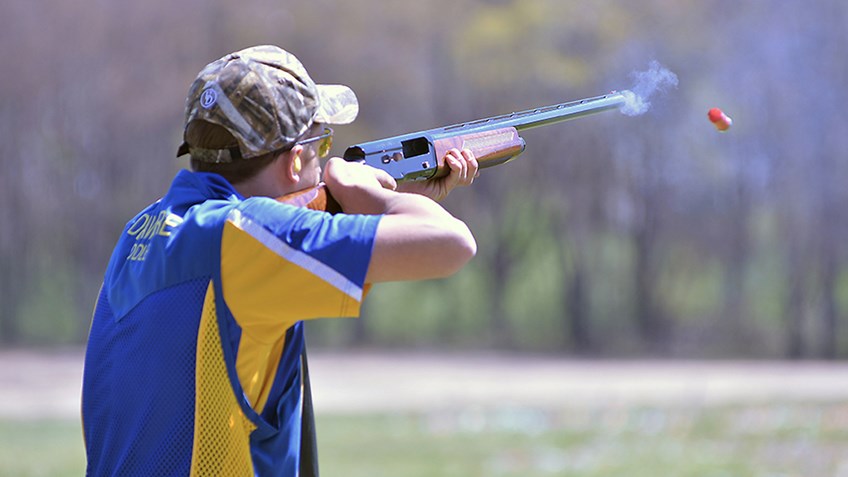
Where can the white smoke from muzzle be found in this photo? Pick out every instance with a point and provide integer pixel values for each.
(656, 79)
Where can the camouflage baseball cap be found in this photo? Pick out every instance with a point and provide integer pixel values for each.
(264, 98)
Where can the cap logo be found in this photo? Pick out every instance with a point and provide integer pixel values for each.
(208, 98)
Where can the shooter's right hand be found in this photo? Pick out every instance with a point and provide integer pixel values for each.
(358, 188)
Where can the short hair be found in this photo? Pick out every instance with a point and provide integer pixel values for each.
(237, 171)
(240, 169)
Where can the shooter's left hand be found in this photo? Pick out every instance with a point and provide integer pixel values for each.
(463, 170)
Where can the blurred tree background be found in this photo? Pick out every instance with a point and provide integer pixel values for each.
(610, 236)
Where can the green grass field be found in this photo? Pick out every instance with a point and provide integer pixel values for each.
(762, 440)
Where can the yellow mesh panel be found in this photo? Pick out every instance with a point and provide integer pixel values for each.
(221, 430)
(256, 365)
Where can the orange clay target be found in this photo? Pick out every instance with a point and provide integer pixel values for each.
(721, 121)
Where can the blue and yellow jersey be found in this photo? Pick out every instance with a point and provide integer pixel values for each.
(193, 359)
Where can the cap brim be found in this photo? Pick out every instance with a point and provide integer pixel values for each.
(182, 150)
(337, 104)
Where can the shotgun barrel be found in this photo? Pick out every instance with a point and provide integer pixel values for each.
(547, 115)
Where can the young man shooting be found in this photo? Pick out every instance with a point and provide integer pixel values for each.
(194, 361)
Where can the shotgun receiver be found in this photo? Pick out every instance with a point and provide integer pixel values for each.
(420, 155)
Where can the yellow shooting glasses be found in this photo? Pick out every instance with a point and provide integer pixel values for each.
(325, 142)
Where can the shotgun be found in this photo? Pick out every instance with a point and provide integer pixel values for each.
(420, 155)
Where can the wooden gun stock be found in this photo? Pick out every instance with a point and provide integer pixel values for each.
(316, 198)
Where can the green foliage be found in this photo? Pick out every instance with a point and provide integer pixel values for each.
(436, 312)
(88, 132)
(842, 304)
(532, 296)
(766, 287)
(49, 311)
(609, 259)
(691, 284)
(533, 299)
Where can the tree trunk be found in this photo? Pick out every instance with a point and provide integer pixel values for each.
(794, 307)
(577, 308)
(736, 266)
(500, 329)
(648, 319)
(829, 329)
